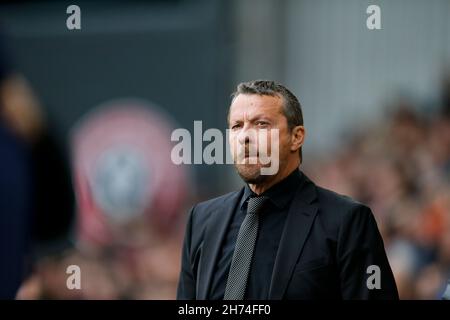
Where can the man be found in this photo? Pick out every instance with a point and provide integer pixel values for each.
(15, 189)
(281, 236)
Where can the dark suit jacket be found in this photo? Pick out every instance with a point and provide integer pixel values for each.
(15, 212)
(327, 244)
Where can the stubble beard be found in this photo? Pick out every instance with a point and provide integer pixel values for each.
(251, 173)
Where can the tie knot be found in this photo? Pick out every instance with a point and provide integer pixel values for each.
(256, 204)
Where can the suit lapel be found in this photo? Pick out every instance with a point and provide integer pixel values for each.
(214, 234)
(298, 224)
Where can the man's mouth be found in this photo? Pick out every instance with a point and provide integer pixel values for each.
(249, 154)
(247, 157)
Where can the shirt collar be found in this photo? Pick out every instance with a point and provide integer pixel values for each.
(279, 194)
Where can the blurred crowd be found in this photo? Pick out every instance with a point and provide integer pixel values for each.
(146, 270)
(400, 168)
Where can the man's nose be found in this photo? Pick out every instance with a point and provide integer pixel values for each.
(247, 136)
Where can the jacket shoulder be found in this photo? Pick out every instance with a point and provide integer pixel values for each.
(335, 208)
(202, 210)
(330, 199)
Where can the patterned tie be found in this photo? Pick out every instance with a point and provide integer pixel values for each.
(243, 251)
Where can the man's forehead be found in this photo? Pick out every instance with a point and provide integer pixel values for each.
(244, 103)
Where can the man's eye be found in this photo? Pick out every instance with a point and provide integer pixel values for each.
(262, 123)
(235, 126)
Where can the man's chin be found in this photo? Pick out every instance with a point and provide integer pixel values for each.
(251, 173)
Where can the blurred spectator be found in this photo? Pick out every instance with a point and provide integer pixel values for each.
(15, 195)
(35, 191)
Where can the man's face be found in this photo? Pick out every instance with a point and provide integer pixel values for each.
(252, 119)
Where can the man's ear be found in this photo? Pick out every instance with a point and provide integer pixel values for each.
(297, 137)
